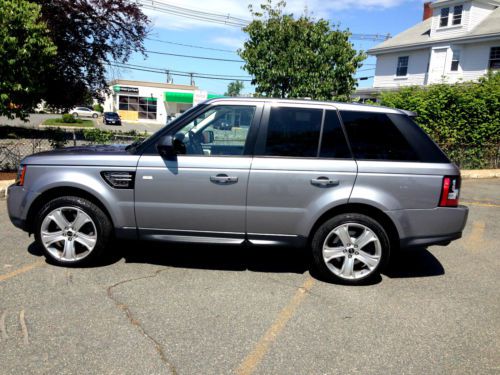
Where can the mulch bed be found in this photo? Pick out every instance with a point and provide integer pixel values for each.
(7, 176)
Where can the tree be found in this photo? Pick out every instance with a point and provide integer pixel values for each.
(234, 88)
(89, 34)
(302, 57)
(26, 52)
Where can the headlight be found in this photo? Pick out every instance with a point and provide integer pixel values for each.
(21, 173)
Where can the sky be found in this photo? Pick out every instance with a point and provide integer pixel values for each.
(359, 16)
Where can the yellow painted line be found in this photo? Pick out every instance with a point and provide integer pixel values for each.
(481, 204)
(21, 270)
(476, 236)
(253, 359)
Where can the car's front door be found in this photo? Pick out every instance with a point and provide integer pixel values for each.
(201, 193)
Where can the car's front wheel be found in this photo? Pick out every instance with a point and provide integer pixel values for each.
(72, 230)
(95, 115)
(350, 248)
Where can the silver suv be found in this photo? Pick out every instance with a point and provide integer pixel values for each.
(351, 182)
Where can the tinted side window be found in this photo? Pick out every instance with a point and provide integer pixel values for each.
(333, 142)
(373, 136)
(293, 132)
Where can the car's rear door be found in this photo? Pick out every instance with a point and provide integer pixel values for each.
(301, 168)
(200, 195)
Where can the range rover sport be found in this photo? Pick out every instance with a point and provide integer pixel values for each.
(351, 182)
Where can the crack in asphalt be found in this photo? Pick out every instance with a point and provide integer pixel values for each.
(136, 323)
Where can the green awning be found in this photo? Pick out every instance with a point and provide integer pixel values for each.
(179, 97)
(214, 96)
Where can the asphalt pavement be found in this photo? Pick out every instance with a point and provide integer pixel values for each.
(160, 309)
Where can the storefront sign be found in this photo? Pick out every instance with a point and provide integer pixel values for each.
(126, 89)
(199, 96)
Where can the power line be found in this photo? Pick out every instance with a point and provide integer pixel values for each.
(180, 74)
(190, 45)
(226, 19)
(194, 57)
(179, 71)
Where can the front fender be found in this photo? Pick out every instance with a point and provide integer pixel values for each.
(118, 202)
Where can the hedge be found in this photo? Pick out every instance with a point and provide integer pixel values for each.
(463, 118)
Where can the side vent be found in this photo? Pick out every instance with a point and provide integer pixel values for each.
(119, 179)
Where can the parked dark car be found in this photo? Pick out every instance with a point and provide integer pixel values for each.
(111, 118)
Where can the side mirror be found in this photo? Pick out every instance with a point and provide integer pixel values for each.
(208, 136)
(169, 146)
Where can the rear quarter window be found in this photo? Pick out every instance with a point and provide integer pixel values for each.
(373, 136)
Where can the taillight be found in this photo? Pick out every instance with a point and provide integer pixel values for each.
(21, 173)
(450, 191)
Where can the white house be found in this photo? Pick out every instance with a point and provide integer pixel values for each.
(457, 40)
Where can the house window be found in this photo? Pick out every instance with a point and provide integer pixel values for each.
(445, 13)
(455, 61)
(457, 14)
(494, 58)
(402, 69)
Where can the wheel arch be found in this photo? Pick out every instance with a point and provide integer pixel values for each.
(360, 208)
(57, 192)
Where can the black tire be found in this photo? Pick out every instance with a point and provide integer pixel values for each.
(74, 114)
(102, 223)
(322, 233)
(95, 115)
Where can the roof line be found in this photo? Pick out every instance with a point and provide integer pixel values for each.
(376, 51)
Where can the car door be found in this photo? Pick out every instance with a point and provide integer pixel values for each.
(200, 195)
(302, 167)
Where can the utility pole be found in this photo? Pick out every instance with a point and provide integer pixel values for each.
(169, 77)
(191, 75)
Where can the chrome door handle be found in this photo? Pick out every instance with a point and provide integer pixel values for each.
(223, 179)
(324, 181)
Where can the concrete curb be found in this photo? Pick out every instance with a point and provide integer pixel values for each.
(3, 187)
(480, 173)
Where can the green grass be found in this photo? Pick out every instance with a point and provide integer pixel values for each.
(59, 122)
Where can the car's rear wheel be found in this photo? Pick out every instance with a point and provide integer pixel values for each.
(350, 248)
(75, 114)
(72, 231)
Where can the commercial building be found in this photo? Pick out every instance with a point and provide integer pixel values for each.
(151, 101)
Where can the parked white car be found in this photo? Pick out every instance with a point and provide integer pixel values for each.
(84, 112)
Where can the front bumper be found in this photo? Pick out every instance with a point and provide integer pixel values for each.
(18, 202)
(426, 227)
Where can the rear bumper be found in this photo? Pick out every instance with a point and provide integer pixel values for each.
(425, 227)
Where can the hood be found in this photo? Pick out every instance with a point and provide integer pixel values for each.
(105, 155)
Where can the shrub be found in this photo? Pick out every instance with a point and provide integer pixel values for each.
(98, 136)
(98, 108)
(69, 119)
(463, 118)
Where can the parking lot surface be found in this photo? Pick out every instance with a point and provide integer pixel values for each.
(161, 309)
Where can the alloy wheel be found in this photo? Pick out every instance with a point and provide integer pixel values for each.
(352, 251)
(68, 233)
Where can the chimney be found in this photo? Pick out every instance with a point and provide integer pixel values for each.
(427, 10)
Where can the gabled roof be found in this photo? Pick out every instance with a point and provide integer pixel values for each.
(418, 36)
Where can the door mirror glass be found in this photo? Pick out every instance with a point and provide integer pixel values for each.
(208, 136)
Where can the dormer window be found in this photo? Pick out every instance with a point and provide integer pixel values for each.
(457, 14)
(445, 13)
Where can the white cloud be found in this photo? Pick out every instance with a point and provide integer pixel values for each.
(239, 8)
